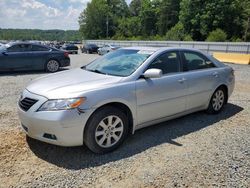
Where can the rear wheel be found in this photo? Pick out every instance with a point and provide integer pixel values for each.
(52, 66)
(217, 101)
(106, 130)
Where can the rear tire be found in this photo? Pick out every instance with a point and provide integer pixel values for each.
(217, 101)
(106, 130)
(52, 66)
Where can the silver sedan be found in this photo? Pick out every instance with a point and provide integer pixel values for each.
(121, 92)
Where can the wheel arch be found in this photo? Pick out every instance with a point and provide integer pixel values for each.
(119, 105)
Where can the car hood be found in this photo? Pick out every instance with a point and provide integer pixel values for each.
(72, 83)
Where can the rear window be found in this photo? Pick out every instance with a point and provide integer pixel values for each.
(71, 48)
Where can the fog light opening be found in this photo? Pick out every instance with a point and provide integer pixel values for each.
(25, 128)
(49, 136)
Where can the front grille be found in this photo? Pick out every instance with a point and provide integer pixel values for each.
(27, 103)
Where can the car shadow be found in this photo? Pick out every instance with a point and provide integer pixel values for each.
(30, 72)
(76, 158)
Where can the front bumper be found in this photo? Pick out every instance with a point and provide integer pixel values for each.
(64, 128)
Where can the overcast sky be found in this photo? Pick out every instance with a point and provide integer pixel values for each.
(41, 14)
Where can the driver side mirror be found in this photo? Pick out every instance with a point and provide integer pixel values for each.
(152, 73)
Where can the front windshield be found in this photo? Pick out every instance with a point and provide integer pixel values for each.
(121, 62)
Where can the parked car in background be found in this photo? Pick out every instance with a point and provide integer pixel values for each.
(89, 48)
(70, 48)
(101, 103)
(107, 48)
(29, 56)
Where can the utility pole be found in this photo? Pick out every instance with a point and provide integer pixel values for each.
(107, 27)
(107, 20)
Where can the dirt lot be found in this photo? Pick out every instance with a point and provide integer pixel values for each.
(197, 150)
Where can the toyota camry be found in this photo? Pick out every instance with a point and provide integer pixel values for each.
(101, 103)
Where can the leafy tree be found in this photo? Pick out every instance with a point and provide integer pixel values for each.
(167, 15)
(201, 17)
(135, 7)
(174, 19)
(147, 17)
(217, 35)
(176, 33)
(36, 34)
(93, 19)
(246, 22)
(100, 17)
(128, 27)
(117, 9)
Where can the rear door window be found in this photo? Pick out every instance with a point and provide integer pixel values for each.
(39, 48)
(196, 61)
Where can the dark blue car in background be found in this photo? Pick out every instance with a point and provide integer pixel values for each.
(30, 56)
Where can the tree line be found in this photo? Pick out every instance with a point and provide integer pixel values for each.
(185, 20)
(41, 35)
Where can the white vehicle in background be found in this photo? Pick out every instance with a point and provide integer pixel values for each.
(107, 48)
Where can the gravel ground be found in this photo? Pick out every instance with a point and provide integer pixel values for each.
(197, 150)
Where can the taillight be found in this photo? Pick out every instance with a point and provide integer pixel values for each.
(66, 54)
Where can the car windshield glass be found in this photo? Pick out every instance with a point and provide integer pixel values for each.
(121, 62)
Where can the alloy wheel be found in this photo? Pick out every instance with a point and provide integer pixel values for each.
(218, 100)
(109, 131)
(52, 66)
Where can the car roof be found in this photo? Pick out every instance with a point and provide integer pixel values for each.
(33, 43)
(154, 49)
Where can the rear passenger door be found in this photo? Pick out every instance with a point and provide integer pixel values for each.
(38, 57)
(201, 75)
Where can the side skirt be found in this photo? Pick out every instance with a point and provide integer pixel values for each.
(153, 122)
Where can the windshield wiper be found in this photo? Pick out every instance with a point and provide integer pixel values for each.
(96, 71)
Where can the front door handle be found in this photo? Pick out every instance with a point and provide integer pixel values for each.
(182, 80)
(215, 74)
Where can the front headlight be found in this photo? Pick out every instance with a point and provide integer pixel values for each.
(61, 104)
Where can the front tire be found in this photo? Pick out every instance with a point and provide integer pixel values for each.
(106, 130)
(52, 66)
(217, 101)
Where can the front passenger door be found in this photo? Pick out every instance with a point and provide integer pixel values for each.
(164, 96)
(17, 56)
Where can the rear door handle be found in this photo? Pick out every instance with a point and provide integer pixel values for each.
(182, 80)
